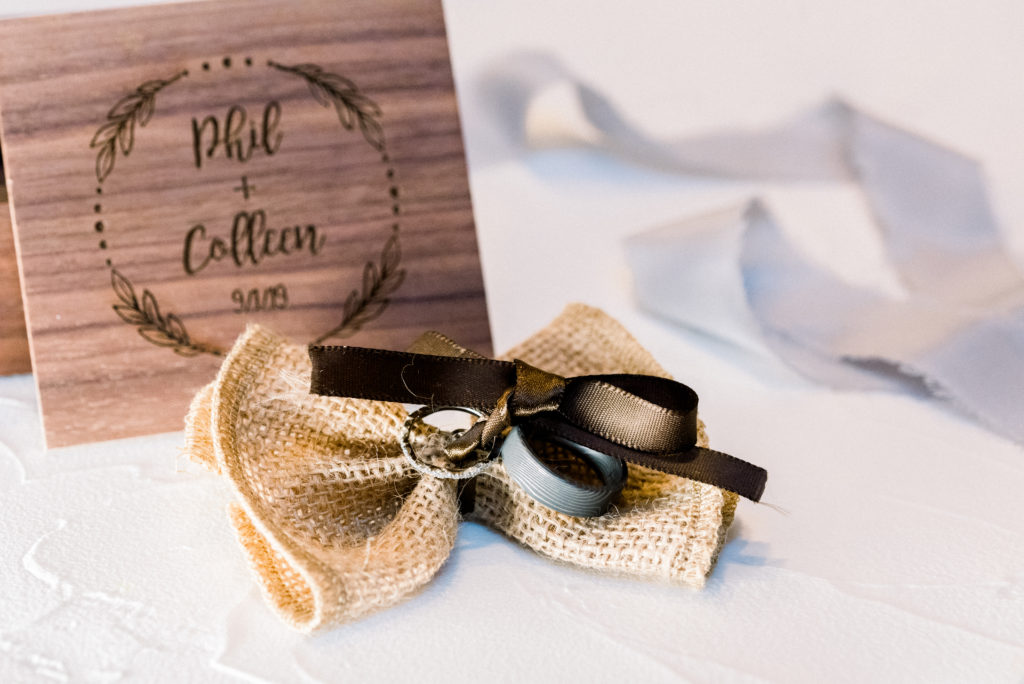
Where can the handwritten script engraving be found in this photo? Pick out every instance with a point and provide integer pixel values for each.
(250, 242)
(211, 135)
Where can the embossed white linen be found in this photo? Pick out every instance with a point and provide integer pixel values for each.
(959, 331)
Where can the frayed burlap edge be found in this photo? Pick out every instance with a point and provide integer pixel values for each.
(584, 340)
(291, 579)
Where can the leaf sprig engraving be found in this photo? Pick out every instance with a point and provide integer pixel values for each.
(354, 108)
(379, 283)
(164, 330)
(133, 109)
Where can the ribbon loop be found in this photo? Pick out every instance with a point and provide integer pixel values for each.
(639, 412)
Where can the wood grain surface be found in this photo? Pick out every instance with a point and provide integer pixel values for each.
(14, 356)
(178, 171)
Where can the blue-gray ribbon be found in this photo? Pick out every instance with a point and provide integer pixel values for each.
(959, 331)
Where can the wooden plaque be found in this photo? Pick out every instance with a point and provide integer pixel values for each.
(178, 171)
(14, 357)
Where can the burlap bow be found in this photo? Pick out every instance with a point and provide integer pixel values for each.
(336, 524)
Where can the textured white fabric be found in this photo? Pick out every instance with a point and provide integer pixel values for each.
(117, 563)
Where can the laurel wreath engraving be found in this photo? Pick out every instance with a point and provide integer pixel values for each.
(164, 330)
(361, 306)
(379, 283)
(352, 106)
(133, 109)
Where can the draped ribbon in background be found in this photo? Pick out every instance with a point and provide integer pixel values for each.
(959, 333)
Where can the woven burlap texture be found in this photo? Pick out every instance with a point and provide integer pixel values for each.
(336, 524)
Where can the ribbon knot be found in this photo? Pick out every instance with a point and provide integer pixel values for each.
(534, 391)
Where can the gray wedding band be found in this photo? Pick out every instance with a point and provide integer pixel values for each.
(549, 488)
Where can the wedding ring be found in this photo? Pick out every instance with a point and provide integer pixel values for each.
(555, 491)
(405, 440)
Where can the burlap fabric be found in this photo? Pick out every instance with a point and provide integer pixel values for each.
(336, 524)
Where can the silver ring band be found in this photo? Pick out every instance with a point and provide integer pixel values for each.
(405, 440)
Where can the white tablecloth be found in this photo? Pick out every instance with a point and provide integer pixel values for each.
(901, 557)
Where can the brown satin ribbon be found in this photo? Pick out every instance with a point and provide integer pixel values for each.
(641, 419)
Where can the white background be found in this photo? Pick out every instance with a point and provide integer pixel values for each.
(902, 556)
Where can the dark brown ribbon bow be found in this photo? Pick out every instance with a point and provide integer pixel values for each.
(641, 419)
